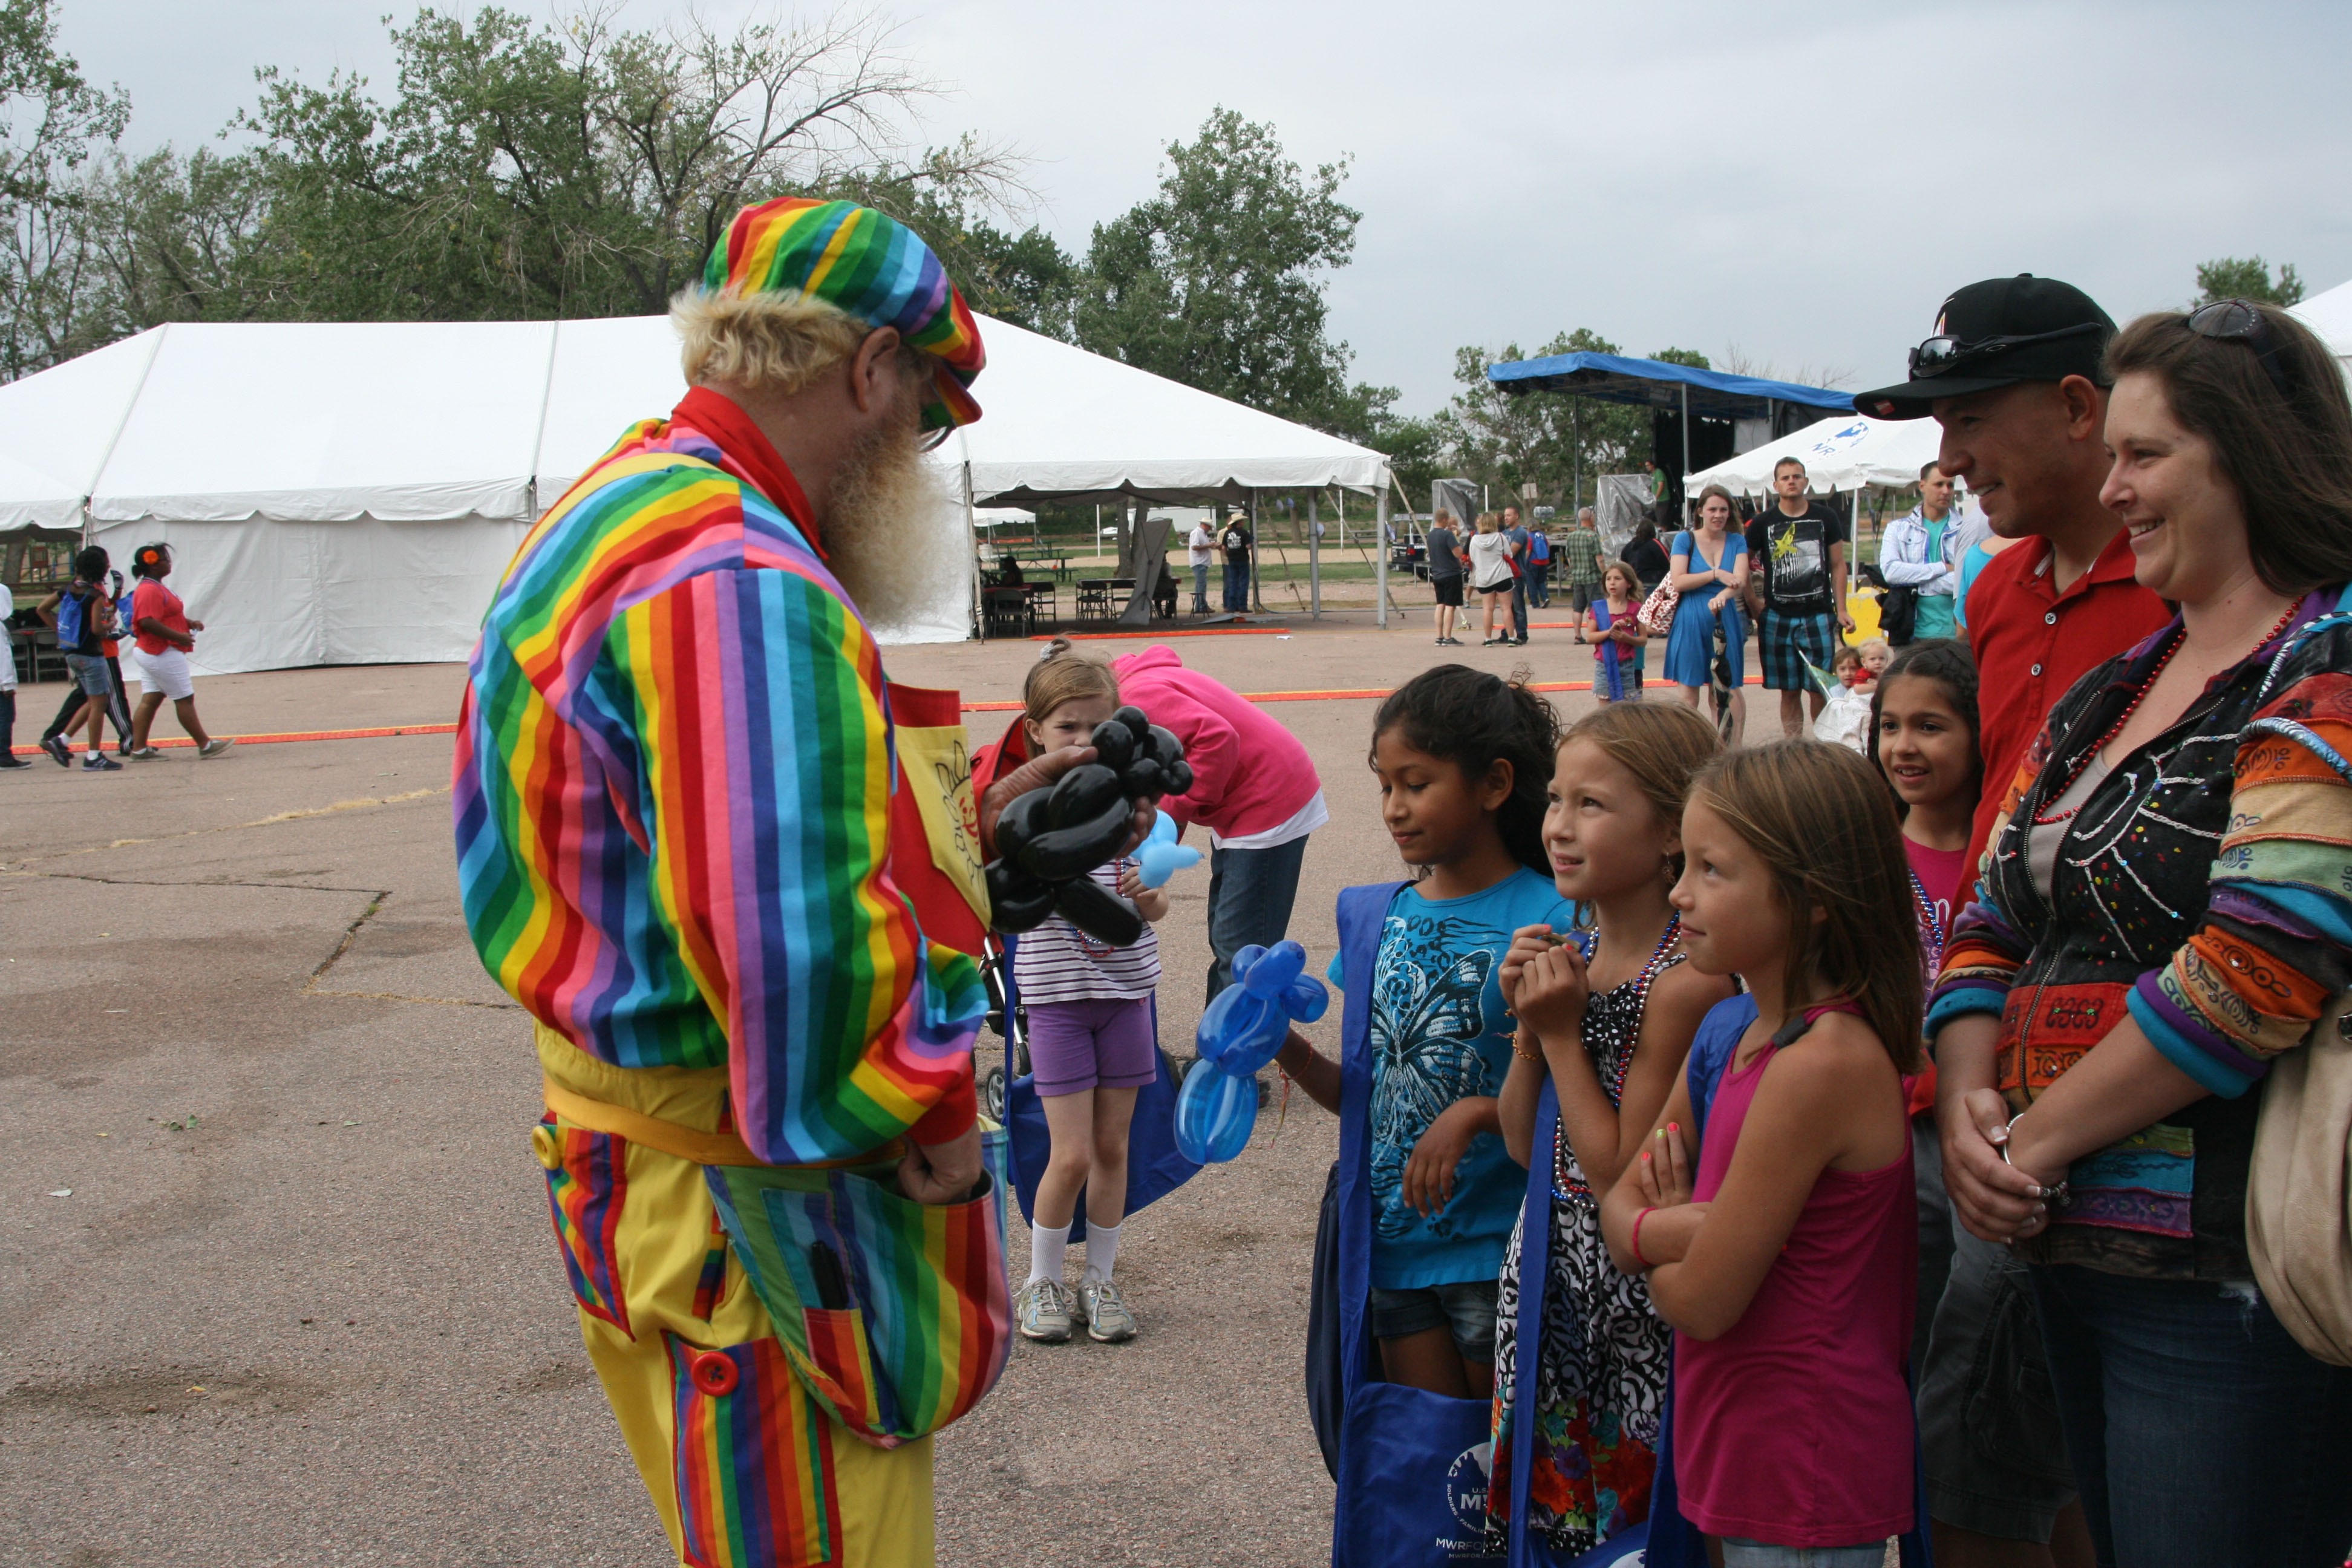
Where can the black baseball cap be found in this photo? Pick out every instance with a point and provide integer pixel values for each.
(1998, 333)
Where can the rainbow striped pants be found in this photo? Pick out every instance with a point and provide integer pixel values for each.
(743, 1468)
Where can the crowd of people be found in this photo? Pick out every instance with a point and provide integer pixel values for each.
(1779, 1149)
(91, 617)
(1946, 1063)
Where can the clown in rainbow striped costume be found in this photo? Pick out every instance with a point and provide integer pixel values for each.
(686, 848)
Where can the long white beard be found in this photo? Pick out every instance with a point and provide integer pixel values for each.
(889, 535)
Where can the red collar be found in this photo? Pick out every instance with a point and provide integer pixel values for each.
(2037, 556)
(750, 453)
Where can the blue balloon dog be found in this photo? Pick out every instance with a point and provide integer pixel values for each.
(1159, 856)
(1217, 1107)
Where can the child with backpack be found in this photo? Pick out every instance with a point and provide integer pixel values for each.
(1092, 1044)
(1604, 1022)
(1463, 757)
(82, 615)
(1784, 1252)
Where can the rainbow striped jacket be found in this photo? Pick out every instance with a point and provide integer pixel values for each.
(673, 782)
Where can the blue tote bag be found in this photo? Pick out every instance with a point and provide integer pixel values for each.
(1155, 1166)
(1413, 1464)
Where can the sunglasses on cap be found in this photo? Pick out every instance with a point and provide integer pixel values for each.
(1939, 354)
(2235, 319)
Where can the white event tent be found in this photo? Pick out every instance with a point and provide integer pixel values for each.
(1845, 452)
(2330, 316)
(350, 493)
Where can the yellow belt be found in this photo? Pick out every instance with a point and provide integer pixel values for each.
(686, 1143)
(697, 1092)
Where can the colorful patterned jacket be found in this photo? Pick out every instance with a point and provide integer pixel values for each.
(673, 797)
(2205, 889)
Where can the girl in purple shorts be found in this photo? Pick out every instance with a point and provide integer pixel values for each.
(1091, 1044)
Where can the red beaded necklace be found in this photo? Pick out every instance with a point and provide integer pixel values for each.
(2082, 762)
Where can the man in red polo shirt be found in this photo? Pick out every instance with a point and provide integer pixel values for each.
(2014, 377)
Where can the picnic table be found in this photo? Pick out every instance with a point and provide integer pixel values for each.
(1036, 554)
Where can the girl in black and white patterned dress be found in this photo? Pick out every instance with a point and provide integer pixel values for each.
(1605, 1021)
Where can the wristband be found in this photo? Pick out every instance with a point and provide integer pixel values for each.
(1637, 1236)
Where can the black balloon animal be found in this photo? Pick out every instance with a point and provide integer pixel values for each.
(1050, 839)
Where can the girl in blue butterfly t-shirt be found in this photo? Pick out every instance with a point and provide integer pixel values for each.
(1463, 760)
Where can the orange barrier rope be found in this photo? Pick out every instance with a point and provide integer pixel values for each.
(1350, 694)
(1202, 632)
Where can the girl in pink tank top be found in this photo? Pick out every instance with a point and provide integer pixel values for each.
(1784, 1252)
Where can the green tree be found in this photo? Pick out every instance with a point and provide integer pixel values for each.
(52, 123)
(1506, 439)
(2247, 277)
(1218, 281)
(522, 170)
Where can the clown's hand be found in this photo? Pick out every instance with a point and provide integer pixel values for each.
(1037, 773)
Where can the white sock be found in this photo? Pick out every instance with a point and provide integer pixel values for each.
(1102, 1250)
(1046, 1247)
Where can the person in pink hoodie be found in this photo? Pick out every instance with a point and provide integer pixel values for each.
(1253, 788)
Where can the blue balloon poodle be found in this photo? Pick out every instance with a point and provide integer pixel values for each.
(1239, 1034)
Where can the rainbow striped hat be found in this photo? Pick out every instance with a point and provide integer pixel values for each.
(871, 265)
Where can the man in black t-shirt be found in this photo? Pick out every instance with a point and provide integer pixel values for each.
(1445, 575)
(1235, 542)
(1797, 592)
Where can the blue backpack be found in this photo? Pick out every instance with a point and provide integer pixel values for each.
(72, 618)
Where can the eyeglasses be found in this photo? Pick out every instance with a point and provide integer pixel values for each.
(1937, 355)
(2235, 319)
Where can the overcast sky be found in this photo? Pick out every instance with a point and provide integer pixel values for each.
(1806, 182)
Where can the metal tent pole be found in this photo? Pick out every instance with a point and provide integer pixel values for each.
(979, 576)
(1684, 479)
(1380, 555)
(1314, 559)
(1253, 599)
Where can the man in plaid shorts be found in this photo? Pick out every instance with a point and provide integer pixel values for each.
(1797, 592)
(1580, 557)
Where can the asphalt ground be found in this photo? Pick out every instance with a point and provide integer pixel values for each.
(277, 1284)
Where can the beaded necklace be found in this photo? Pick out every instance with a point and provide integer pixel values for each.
(2047, 818)
(1931, 931)
(1564, 1182)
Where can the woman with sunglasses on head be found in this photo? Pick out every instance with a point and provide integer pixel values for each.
(2167, 898)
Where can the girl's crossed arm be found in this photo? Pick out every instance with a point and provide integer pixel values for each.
(1813, 1110)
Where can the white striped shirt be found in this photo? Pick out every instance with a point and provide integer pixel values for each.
(1059, 963)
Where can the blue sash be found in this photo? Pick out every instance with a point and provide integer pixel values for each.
(1613, 675)
(1413, 1464)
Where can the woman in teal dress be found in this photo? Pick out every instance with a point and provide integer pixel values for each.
(1710, 573)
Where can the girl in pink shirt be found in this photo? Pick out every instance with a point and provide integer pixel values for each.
(1784, 1254)
(1253, 788)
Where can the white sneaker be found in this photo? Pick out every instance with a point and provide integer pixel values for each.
(215, 746)
(1041, 1311)
(1108, 1320)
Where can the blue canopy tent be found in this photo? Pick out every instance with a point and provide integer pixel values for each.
(1677, 390)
